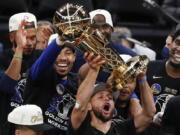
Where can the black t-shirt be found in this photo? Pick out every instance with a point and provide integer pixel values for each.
(56, 106)
(4, 110)
(118, 127)
(28, 60)
(122, 112)
(171, 118)
(164, 86)
(10, 97)
(11, 90)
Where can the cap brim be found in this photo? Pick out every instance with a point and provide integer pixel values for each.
(69, 45)
(41, 127)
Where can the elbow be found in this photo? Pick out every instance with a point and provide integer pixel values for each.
(151, 112)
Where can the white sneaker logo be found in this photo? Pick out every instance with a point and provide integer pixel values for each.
(157, 77)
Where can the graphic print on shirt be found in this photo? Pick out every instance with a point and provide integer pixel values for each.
(162, 101)
(16, 99)
(156, 88)
(59, 111)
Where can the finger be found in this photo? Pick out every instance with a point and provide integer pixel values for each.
(86, 55)
(90, 56)
(101, 62)
(47, 31)
(96, 59)
(22, 24)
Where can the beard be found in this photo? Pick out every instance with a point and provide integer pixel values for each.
(122, 102)
(100, 116)
(107, 36)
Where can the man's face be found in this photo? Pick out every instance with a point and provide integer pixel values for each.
(31, 41)
(175, 52)
(127, 90)
(103, 105)
(106, 29)
(30, 37)
(169, 41)
(64, 61)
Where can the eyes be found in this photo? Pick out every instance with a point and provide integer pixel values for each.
(109, 97)
(68, 52)
(177, 42)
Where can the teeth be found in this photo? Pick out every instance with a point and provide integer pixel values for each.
(176, 55)
(177, 59)
(62, 65)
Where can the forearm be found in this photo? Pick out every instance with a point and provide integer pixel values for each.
(14, 68)
(45, 61)
(86, 88)
(135, 107)
(83, 71)
(143, 119)
(147, 101)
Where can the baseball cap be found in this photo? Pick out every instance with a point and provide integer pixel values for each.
(29, 116)
(101, 87)
(66, 44)
(103, 12)
(16, 20)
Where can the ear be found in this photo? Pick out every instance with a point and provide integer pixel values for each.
(12, 36)
(74, 57)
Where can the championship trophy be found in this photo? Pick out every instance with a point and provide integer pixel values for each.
(73, 22)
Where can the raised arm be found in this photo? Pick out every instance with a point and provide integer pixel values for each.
(148, 107)
(10, 78)
(46, 60)
(85, 90)
(14, 68)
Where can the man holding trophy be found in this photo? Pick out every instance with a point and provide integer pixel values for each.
(51, 85)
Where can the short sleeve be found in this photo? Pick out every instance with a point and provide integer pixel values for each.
(7, 84)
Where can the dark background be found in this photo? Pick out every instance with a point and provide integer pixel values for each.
(147, 23)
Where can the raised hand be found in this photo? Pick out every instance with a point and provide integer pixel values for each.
(20, 36)
(43, 34)
(94, 61)
(142, 74)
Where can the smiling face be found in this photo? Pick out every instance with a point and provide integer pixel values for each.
(175, 52)
(102, 104)
(64, 61)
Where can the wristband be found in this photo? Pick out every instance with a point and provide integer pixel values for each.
(18, 57)
(143, 80)
(134, 95)
(59, 42)
(77, 106)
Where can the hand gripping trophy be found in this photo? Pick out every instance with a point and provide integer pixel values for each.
(73, 23)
